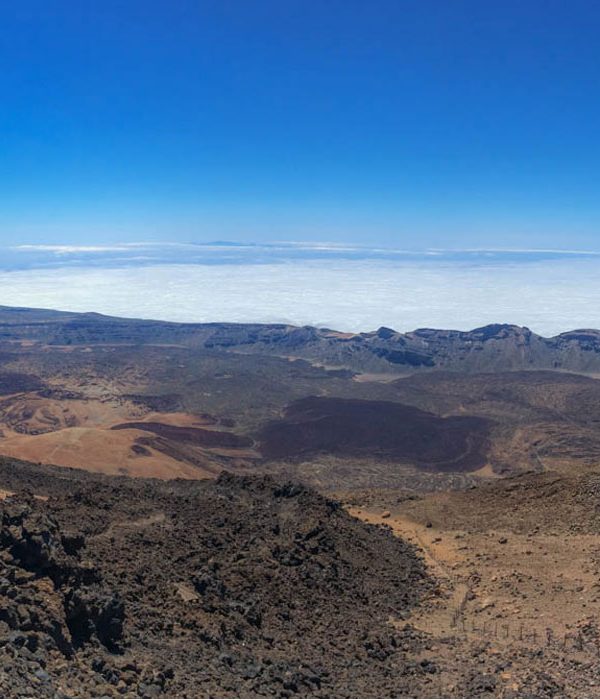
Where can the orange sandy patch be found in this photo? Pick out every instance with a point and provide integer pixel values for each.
(77, 433)
(486, 472)
(33, 414)
(98, 450)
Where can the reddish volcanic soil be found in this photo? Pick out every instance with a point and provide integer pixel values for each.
(114, 436)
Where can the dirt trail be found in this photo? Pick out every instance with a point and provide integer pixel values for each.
(518, 583)
(441, 558)
(503, 587)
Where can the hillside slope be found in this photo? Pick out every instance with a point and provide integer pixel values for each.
(235, 587)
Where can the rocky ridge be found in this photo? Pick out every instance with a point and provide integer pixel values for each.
(495, 347)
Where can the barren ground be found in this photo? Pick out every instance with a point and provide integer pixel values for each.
(517, 578)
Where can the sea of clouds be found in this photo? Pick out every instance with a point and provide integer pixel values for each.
(348, 288)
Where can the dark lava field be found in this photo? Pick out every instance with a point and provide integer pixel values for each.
(236, 587)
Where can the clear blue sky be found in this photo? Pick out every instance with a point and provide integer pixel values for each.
(399, 122)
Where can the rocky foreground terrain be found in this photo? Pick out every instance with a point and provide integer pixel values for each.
(253, 587)
(234, 587)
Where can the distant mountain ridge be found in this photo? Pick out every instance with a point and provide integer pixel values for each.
(491, 348)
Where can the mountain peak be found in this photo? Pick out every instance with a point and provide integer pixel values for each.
(499, 330)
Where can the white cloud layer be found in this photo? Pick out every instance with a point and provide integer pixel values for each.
(549, 296)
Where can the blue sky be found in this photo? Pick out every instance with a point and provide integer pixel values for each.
(411, 123)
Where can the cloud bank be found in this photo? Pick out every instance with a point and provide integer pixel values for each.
(550, 295)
